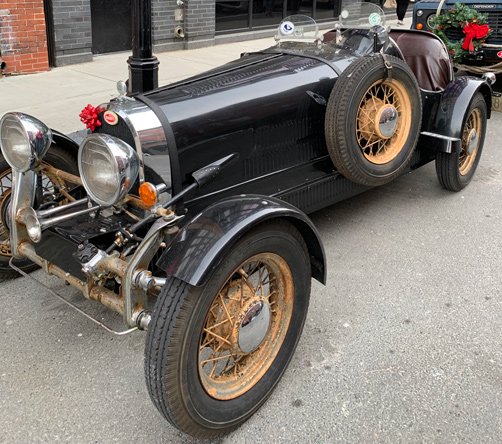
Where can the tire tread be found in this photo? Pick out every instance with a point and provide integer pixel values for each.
(339, 103)
(171, 314)
(447, 170)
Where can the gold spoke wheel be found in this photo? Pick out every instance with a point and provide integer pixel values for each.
(383, 121)
(455, 170)
(50, 185)
(246, 326)
(373, 120)
(215, 350)
(470, 141)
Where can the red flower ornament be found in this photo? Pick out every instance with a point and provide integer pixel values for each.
(473, 31)
(89, 117)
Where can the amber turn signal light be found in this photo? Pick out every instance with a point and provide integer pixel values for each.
(148, 194)
(420, 26)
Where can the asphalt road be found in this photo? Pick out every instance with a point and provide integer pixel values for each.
(402, 345)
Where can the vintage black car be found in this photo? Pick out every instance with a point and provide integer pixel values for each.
(185, 209)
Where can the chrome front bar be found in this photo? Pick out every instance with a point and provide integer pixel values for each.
(23, 195)
(132, 272)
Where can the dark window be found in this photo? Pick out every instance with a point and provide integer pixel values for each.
(111, 25)
(234, 15)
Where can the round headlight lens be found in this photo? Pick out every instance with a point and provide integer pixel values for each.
(429, 20)
(24, 140)
(108, 167)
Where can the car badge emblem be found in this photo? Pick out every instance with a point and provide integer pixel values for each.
(374, 19)
(111, 118)
(287, 28)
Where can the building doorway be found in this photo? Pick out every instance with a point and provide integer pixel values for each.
(111, 26)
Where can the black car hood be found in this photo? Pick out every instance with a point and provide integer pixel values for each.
(337, 58)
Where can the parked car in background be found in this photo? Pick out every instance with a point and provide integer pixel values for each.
(184, 210)
(491, 50)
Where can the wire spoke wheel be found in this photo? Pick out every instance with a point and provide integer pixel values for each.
(470, 141)
(246, 326)
(455, 170)
(373, 120)
(51, 191)
(5, 192)
(53, 188)
(215, 351)
(383, 121)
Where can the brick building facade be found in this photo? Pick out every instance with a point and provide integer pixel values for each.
(37, 34)
(23, 41)
(33, 38)
(76, 43)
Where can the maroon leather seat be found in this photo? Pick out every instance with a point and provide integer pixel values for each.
(427, 57)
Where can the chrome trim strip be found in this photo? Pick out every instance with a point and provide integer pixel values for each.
(51, 211)
(144, 125)
(440, 136)
(491, 45)
(46, 223)
(449, 140)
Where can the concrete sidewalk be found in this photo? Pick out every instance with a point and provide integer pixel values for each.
(57, 97)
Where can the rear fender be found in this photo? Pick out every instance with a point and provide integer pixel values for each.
(205, 241)
(452, 109)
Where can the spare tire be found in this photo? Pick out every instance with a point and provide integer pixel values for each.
(373, 120)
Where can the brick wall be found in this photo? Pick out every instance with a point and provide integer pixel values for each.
(197, 22)
(200, 24)
(163, 23)
(23, 40)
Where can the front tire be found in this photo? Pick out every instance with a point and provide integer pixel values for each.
(214, 353)
(455, 170)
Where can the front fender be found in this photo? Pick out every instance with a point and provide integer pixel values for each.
(455, 102)
(203, 243)
(69, 144)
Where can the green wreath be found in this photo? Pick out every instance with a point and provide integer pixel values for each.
(473, 24)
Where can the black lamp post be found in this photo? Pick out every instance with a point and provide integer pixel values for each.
(143, 66)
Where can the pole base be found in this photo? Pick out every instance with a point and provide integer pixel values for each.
(143, 75)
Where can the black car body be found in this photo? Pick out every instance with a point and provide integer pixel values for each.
(491, 53)
(215, 257)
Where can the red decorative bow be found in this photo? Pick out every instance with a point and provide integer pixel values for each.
(89, 116)
(473, 31)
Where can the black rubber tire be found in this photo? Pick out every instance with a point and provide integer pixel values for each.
(341, 116)
(58, 158)
(447, 164)
(171, 367)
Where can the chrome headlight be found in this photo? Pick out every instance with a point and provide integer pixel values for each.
(429, 21)
(108, 168)
(24, 140)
